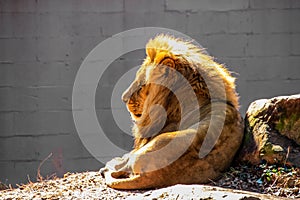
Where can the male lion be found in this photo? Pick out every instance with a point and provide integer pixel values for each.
(187, 127)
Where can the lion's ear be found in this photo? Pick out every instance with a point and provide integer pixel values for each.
(168, 62)
(151, 52)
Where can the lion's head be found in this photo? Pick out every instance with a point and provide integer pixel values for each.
(172, 67)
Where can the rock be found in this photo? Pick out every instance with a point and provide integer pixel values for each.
(272, 131)
(201, 192)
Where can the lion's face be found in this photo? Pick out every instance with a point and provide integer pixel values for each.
(150, 99)
(144, 86)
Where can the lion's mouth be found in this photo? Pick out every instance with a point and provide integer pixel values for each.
(135, 109)
(135, 117)
(138, 115)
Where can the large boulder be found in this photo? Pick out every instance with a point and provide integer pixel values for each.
(272, 131)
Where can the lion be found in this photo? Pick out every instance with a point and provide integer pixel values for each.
(187, 127)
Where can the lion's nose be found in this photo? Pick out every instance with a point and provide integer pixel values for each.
(125, 97)
(132, 89)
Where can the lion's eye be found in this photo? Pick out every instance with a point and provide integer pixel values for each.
(168, 62)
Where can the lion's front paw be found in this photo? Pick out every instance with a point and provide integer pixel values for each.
(107, 173)
(120, 174)
(103, 171)
(117, 168)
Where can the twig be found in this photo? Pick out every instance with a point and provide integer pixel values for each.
(274, 182)
(39, 176)
(28, 178)
(212, 181)
(52, 176)
(287, 155)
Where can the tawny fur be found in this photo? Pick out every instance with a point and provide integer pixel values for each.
(175, 124)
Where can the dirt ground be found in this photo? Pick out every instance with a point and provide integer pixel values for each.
(278, 181)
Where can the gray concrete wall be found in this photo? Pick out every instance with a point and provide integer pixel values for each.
(43, 42)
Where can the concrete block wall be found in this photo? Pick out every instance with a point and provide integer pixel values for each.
(43, 42)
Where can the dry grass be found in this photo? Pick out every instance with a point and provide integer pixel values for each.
(279, 180)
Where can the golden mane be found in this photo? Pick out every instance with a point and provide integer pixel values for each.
(196, 56)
